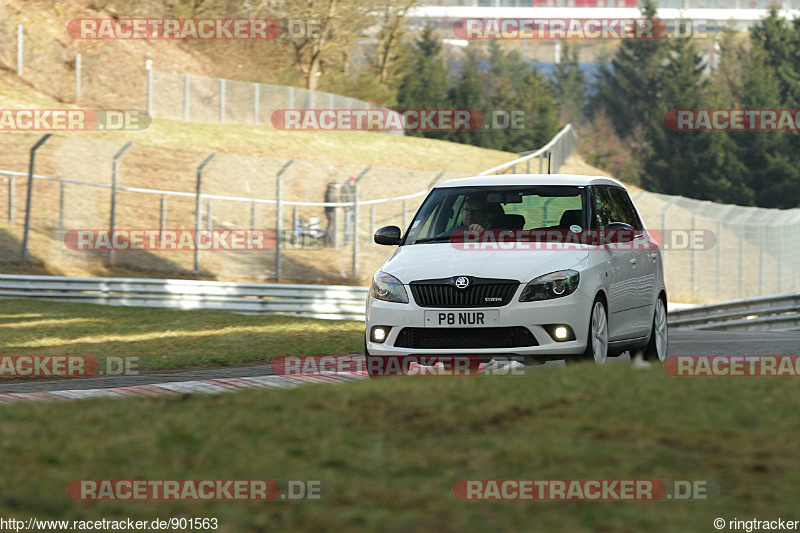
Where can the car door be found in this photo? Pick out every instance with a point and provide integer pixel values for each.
(618, 266)
(643, 261)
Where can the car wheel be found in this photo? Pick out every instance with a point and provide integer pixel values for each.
(657, 347)
(597, 343)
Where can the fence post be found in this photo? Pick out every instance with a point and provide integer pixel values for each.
(30, 195)
(337, 226)
(372, 221)
(61, 194)
(356, 192)
(295, 240)
(19, 49)
(77, 77)
(290, 98)
(198, 206)
(256, 96)
(11, 199)
(719, 256)
(222, 99)
(162, 219)
(114, 178)
(355, 230)
(664, 232)
(693, 257)
(149, 90)
(185, 97)
(436, 179)
(278, 216)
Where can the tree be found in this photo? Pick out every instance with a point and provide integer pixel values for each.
(569, 83)
(629, 87)
(425, 83)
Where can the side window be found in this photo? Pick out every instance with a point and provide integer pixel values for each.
(604, 207)
(625, 208)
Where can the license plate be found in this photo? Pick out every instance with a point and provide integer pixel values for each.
(461, 319)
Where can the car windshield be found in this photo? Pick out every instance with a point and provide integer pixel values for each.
(541, 207)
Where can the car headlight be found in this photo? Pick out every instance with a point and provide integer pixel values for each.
(388, 288)
(553, 285)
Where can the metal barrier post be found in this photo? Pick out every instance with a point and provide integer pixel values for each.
(256, 97)
(222, 99)
(11, 199)
(355, 220)
(162, 219)
(198, 206)
(36, 146)
(19, 49)
(61, 194)
(185, 97)
(372, 222)
(278, 216)
(77, 77)
(114, 179)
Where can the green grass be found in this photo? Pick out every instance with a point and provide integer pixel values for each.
(166, 338)
(393, 448)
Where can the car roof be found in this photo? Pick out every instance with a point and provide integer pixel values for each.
(530, 179)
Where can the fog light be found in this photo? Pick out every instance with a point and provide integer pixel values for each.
(379, 333)
(560, 332)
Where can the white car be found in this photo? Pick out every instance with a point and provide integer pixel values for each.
(555, 267)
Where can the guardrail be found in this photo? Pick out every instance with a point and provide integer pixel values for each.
(778, 313)
(554, 153)
(315, 301)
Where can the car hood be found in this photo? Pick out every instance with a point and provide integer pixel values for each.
(441, 260)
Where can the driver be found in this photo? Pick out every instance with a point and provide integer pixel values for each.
(478, 214)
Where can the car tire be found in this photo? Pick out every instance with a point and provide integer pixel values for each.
(597, 341)
(657, 347)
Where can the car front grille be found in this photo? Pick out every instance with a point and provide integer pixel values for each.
(465, 338)
(481, 292)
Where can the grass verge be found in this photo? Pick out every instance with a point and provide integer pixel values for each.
(166, 338)
(393, 448)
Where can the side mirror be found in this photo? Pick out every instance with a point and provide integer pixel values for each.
(389, 235)
(618, 232)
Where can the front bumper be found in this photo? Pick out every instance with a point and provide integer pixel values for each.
(573, 310)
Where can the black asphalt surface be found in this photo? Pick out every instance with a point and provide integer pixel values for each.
(681, 342)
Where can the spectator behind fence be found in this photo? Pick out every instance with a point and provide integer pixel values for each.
(331, 196)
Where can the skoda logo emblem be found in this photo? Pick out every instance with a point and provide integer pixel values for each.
(462, 282)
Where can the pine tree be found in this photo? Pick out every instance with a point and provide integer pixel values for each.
(569, 83)
(629, 87)
(425, 83)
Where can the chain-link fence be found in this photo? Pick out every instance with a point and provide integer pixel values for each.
(711, 252)
(55, 69)
(85, 184)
